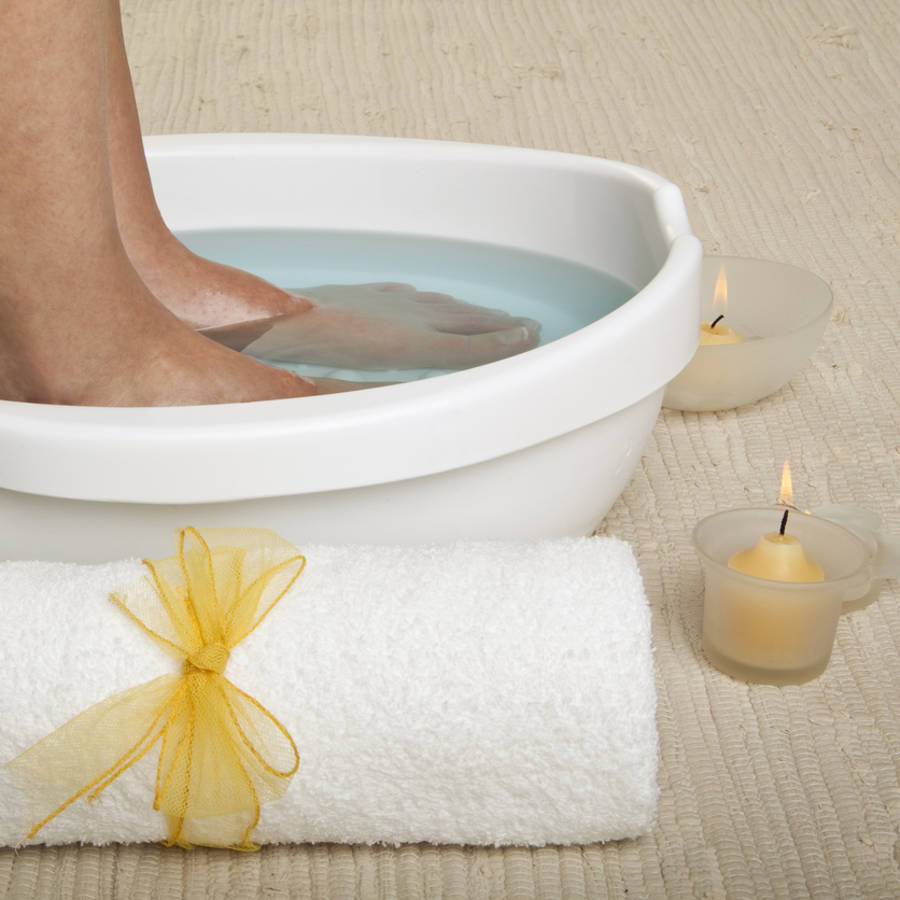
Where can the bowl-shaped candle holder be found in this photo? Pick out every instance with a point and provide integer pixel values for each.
(778, 309)
(776, 632)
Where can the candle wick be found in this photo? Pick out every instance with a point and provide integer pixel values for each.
(716, 321)
(783, 522)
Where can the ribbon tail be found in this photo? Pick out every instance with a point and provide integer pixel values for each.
(231, 832)
(86, 754)
(223, 756)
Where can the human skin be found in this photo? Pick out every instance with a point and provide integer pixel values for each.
(101, 305)
(77, 323)
(384, 325)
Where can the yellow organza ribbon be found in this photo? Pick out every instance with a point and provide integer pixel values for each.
(221, 754)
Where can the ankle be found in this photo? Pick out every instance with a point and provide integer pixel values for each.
(204, 293)
(149, 244)
(65, 346)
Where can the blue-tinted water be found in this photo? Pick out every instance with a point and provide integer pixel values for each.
(561, 295)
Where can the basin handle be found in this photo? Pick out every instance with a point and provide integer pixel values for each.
(671, 212)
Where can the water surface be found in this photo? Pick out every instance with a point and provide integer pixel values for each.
(561, 295)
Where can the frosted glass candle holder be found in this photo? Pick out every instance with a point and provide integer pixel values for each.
(776, 632)
(779, 310)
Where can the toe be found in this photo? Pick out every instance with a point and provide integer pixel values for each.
(435, 297)
(458, 351)
(392, 287)
(485, 324)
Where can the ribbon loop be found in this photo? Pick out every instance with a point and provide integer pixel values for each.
(221, 753)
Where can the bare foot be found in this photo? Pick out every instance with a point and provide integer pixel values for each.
(390, 326)
(145, 357)
(369, 326)
(78, 324)
(203, 293)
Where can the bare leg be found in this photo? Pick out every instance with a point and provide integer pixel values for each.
(77, 324)
(202, 293)
(350, 327)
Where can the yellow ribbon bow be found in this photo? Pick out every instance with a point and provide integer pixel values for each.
(221, 753)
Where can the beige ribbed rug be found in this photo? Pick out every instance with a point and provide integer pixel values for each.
(781, 123)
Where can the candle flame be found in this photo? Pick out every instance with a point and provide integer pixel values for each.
(786, 494)
(720, 297)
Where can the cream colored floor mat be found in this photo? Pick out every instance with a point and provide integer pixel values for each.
(780, 122)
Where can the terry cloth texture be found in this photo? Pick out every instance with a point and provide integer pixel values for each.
(779, 122)
(480, 693)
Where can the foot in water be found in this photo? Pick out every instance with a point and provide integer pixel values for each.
(111, 343)
(385, 325)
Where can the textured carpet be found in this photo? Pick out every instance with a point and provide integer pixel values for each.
(781, 123)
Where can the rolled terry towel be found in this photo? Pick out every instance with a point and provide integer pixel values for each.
(475, 693)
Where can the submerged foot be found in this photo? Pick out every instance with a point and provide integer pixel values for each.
(383, 326)
(133, 353)
(367, 326)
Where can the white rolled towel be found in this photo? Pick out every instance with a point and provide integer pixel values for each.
(474, 693)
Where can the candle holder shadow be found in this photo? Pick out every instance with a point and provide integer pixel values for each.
(776, 632)
(781, 312)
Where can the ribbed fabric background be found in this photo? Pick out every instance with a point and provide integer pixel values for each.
(780, 121)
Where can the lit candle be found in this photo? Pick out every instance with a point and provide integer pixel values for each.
(769, 610)
(778, 556)
(780, 312)
(714, 332)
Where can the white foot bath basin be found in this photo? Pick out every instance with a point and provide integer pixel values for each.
(537, 445)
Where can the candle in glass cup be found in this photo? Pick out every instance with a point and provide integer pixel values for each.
(769, 629)
(776, 555)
